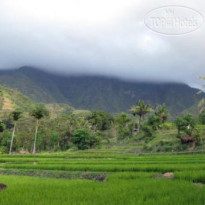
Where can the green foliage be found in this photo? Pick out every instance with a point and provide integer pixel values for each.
(158, 118)
(94, 140)
(56, 133)
(96, 93)
(100, 119)
(154, 122)
(3, 150)
(16, 114)
(141, 109)
(39, 112)
(124, 125)
(54, 138)
(130, 178)
(186, 124)
(16, 99)
(168, 126)
(162, 112)
(83, 139)
(202, 118)
(147, 130)
(5, 138)
(2, 126)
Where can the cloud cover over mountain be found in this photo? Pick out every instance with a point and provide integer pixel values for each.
(92, 37)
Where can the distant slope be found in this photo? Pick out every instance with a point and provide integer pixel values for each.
(56, 109)
(95, 92)
(11, 99)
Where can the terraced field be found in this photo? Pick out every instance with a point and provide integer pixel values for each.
(102, 177)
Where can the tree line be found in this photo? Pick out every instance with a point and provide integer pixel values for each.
(36, 131)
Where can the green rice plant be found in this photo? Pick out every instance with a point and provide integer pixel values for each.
(141, 191)
(193, 176)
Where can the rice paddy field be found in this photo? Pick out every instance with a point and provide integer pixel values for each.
(102, 177)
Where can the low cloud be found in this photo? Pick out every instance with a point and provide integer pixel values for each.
(106, 38)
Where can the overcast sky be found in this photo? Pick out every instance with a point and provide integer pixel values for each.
(99, 37)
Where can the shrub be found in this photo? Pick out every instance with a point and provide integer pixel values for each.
(80, 138)
(185, 124)
(124, 126)
(83, 139)
(3, 150)
(147, 130)
(202, 118)
(102, 120)
(2, 126)
(154, 122)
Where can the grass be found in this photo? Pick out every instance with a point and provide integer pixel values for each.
(32, 191)
(70, 178)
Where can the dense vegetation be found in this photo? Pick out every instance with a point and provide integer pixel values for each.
(95, 157)
(26, 126)
(52, 127)
(96, 92)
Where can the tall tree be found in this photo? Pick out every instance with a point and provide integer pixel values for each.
(123, 122)
(141, 109)
(84, 139)
(38, 113)
(100, 119)
(162, 112)
(16, 115)
(185, 123)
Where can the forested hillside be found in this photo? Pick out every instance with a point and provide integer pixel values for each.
(96, 92)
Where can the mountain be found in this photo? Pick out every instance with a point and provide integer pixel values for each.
(11, 99)
(97, 92)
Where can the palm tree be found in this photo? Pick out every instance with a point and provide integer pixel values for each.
(38, 113)
(16, 115)
(162, 112)
(141, 109)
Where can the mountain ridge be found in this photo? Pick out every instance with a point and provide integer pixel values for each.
(97, 92)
